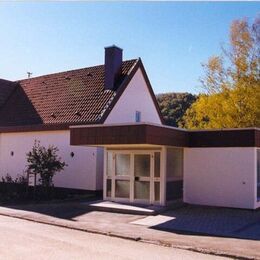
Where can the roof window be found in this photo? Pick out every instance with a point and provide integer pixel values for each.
(53, 115)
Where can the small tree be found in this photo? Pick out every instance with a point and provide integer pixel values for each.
(44, 162)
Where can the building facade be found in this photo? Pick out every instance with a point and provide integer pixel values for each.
(107, 126)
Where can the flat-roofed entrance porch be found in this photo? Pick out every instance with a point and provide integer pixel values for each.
(150, 164)
(146, 176)
(138, 167)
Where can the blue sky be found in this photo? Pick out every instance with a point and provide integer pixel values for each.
(172, 38)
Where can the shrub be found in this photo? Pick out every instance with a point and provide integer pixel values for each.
(44, 162)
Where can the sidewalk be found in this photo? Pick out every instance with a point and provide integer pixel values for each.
(152, 229)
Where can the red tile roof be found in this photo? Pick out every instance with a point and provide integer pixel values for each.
(71, 97)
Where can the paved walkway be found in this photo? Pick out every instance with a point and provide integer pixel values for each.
(194, 228)
(224, 222)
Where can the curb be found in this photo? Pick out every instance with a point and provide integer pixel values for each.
(137, 238)
(134, 238)
(199, 250)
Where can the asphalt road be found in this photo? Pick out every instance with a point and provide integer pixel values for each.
(21, 239)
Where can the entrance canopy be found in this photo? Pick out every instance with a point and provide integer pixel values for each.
(152, 134)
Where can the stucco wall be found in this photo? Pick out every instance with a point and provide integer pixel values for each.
(136, 97)
(220, 177)
(81, 170)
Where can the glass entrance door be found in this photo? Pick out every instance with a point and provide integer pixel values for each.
(122, 176)
(133, 176)
(142, 177)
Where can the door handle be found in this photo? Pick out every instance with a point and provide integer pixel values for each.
(137, 178)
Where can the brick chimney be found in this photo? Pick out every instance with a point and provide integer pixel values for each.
(113, 65)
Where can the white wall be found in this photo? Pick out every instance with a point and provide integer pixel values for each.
(220, 177)
(81, 170)
(136, 97)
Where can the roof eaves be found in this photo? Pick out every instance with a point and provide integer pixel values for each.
(41, 127)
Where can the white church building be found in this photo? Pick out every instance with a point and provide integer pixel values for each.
(108, 128)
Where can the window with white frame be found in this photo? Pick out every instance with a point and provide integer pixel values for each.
(137, 116)
(174, 165)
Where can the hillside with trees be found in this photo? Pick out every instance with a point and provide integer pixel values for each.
(174, 105)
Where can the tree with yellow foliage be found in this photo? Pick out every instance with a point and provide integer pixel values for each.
(231, 83)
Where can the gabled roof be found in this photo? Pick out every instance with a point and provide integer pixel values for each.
(71, 97)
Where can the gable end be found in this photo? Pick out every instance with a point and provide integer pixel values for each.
(124, 85)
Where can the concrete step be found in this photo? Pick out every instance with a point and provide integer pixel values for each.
(137, 209)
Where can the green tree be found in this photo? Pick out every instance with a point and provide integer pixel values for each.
(231, 83)
(44, 162)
